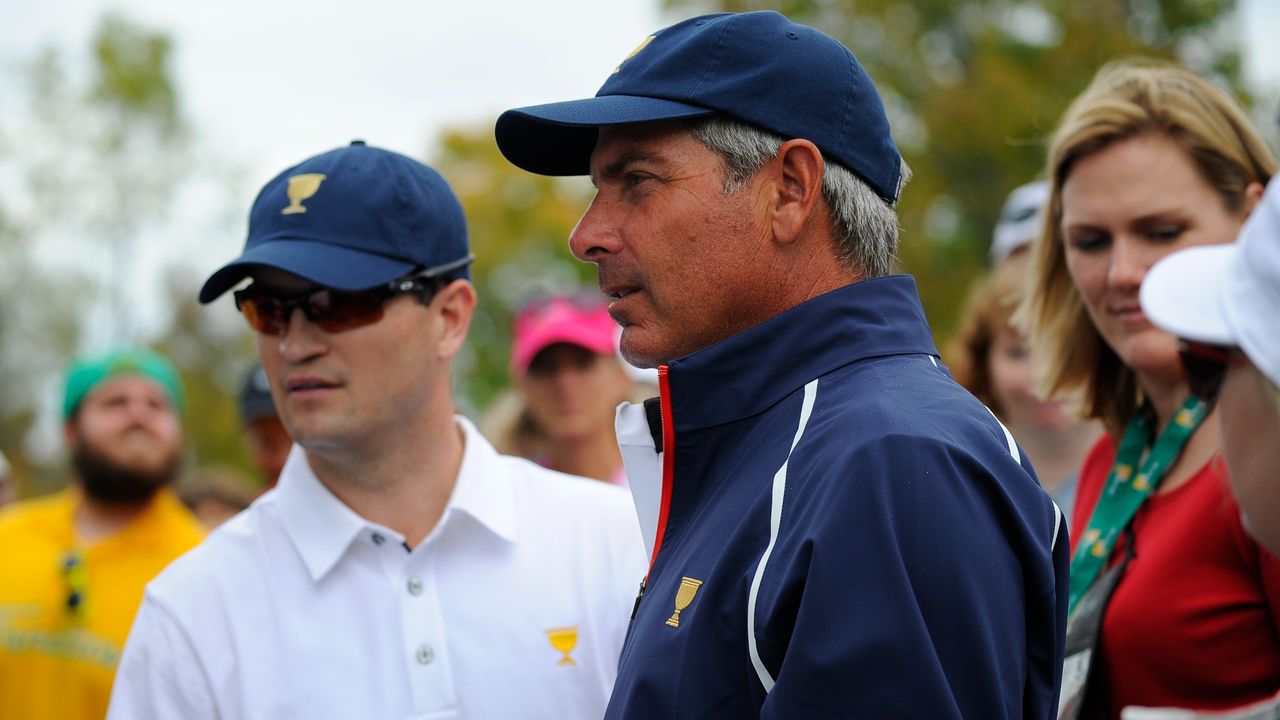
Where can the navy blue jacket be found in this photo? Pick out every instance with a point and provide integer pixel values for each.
(857, 535)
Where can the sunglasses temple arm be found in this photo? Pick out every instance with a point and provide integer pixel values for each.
(447, 267)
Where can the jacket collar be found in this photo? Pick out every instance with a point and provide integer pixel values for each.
(746, 373)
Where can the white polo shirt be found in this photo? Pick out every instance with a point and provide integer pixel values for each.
(515, 606)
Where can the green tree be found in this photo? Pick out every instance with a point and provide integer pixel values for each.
(92, 159)
(39, 323)
(974, 88)
(140, 145)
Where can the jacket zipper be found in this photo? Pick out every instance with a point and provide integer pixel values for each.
(668, 470)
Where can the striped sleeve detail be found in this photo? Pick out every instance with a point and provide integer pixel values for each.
(1008, 438)
(775, 520)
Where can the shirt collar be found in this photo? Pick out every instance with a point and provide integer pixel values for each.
(484, 490)
(322, 527)
(746, 373)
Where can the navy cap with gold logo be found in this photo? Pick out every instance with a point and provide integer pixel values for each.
(351, 219)
(758, 67)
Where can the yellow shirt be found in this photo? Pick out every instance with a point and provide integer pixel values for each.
(56, 660)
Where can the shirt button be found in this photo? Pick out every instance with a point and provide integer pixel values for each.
(415, 586)
(378, 539)
(425, 655)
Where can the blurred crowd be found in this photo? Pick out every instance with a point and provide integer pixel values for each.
(1124, 338)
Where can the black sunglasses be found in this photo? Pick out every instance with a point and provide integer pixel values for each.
(338, 310)
(1206, 365)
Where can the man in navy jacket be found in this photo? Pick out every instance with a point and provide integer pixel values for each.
(836, 528)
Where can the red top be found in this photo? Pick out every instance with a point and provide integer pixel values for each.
(1193, 622)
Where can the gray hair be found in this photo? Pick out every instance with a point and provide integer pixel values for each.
(866, 225)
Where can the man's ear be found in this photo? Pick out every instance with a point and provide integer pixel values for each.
(798, 169)
(457, 304)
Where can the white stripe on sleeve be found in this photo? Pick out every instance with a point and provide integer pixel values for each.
(775, 520)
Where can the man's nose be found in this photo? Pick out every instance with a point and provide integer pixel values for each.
(596, 233)
(302, 338)
(141, 409)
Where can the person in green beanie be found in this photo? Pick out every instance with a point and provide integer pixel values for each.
(75, 563)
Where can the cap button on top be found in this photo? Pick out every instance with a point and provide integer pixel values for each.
(357, 142)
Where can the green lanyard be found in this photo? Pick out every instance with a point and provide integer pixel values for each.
(1121, 498)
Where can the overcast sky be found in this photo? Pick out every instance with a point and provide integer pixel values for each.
(277, 81)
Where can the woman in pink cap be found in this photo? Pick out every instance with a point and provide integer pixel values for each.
(564, 358)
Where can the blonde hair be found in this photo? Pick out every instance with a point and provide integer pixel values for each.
(1125, 100)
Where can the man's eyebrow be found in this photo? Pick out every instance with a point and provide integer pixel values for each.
(630, 157)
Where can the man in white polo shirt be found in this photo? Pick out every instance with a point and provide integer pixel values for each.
(401, 568)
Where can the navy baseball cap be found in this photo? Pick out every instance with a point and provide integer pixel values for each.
(351, 219)
(758, 67)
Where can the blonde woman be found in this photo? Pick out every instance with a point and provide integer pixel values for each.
(1172, 604)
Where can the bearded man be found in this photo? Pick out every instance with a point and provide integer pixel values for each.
(73, 565)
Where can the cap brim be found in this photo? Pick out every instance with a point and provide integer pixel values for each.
(332, 266)
(557, 138)
(1184, 294)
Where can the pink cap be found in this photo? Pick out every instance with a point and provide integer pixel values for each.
(562, 319)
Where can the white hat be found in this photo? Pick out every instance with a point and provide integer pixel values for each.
(1020, 219)
(1225, 294)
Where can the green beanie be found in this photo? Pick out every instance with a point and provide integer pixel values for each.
(86, 373)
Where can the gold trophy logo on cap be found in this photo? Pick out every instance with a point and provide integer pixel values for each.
(635, 52)
(300, 188)
(688, 588)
